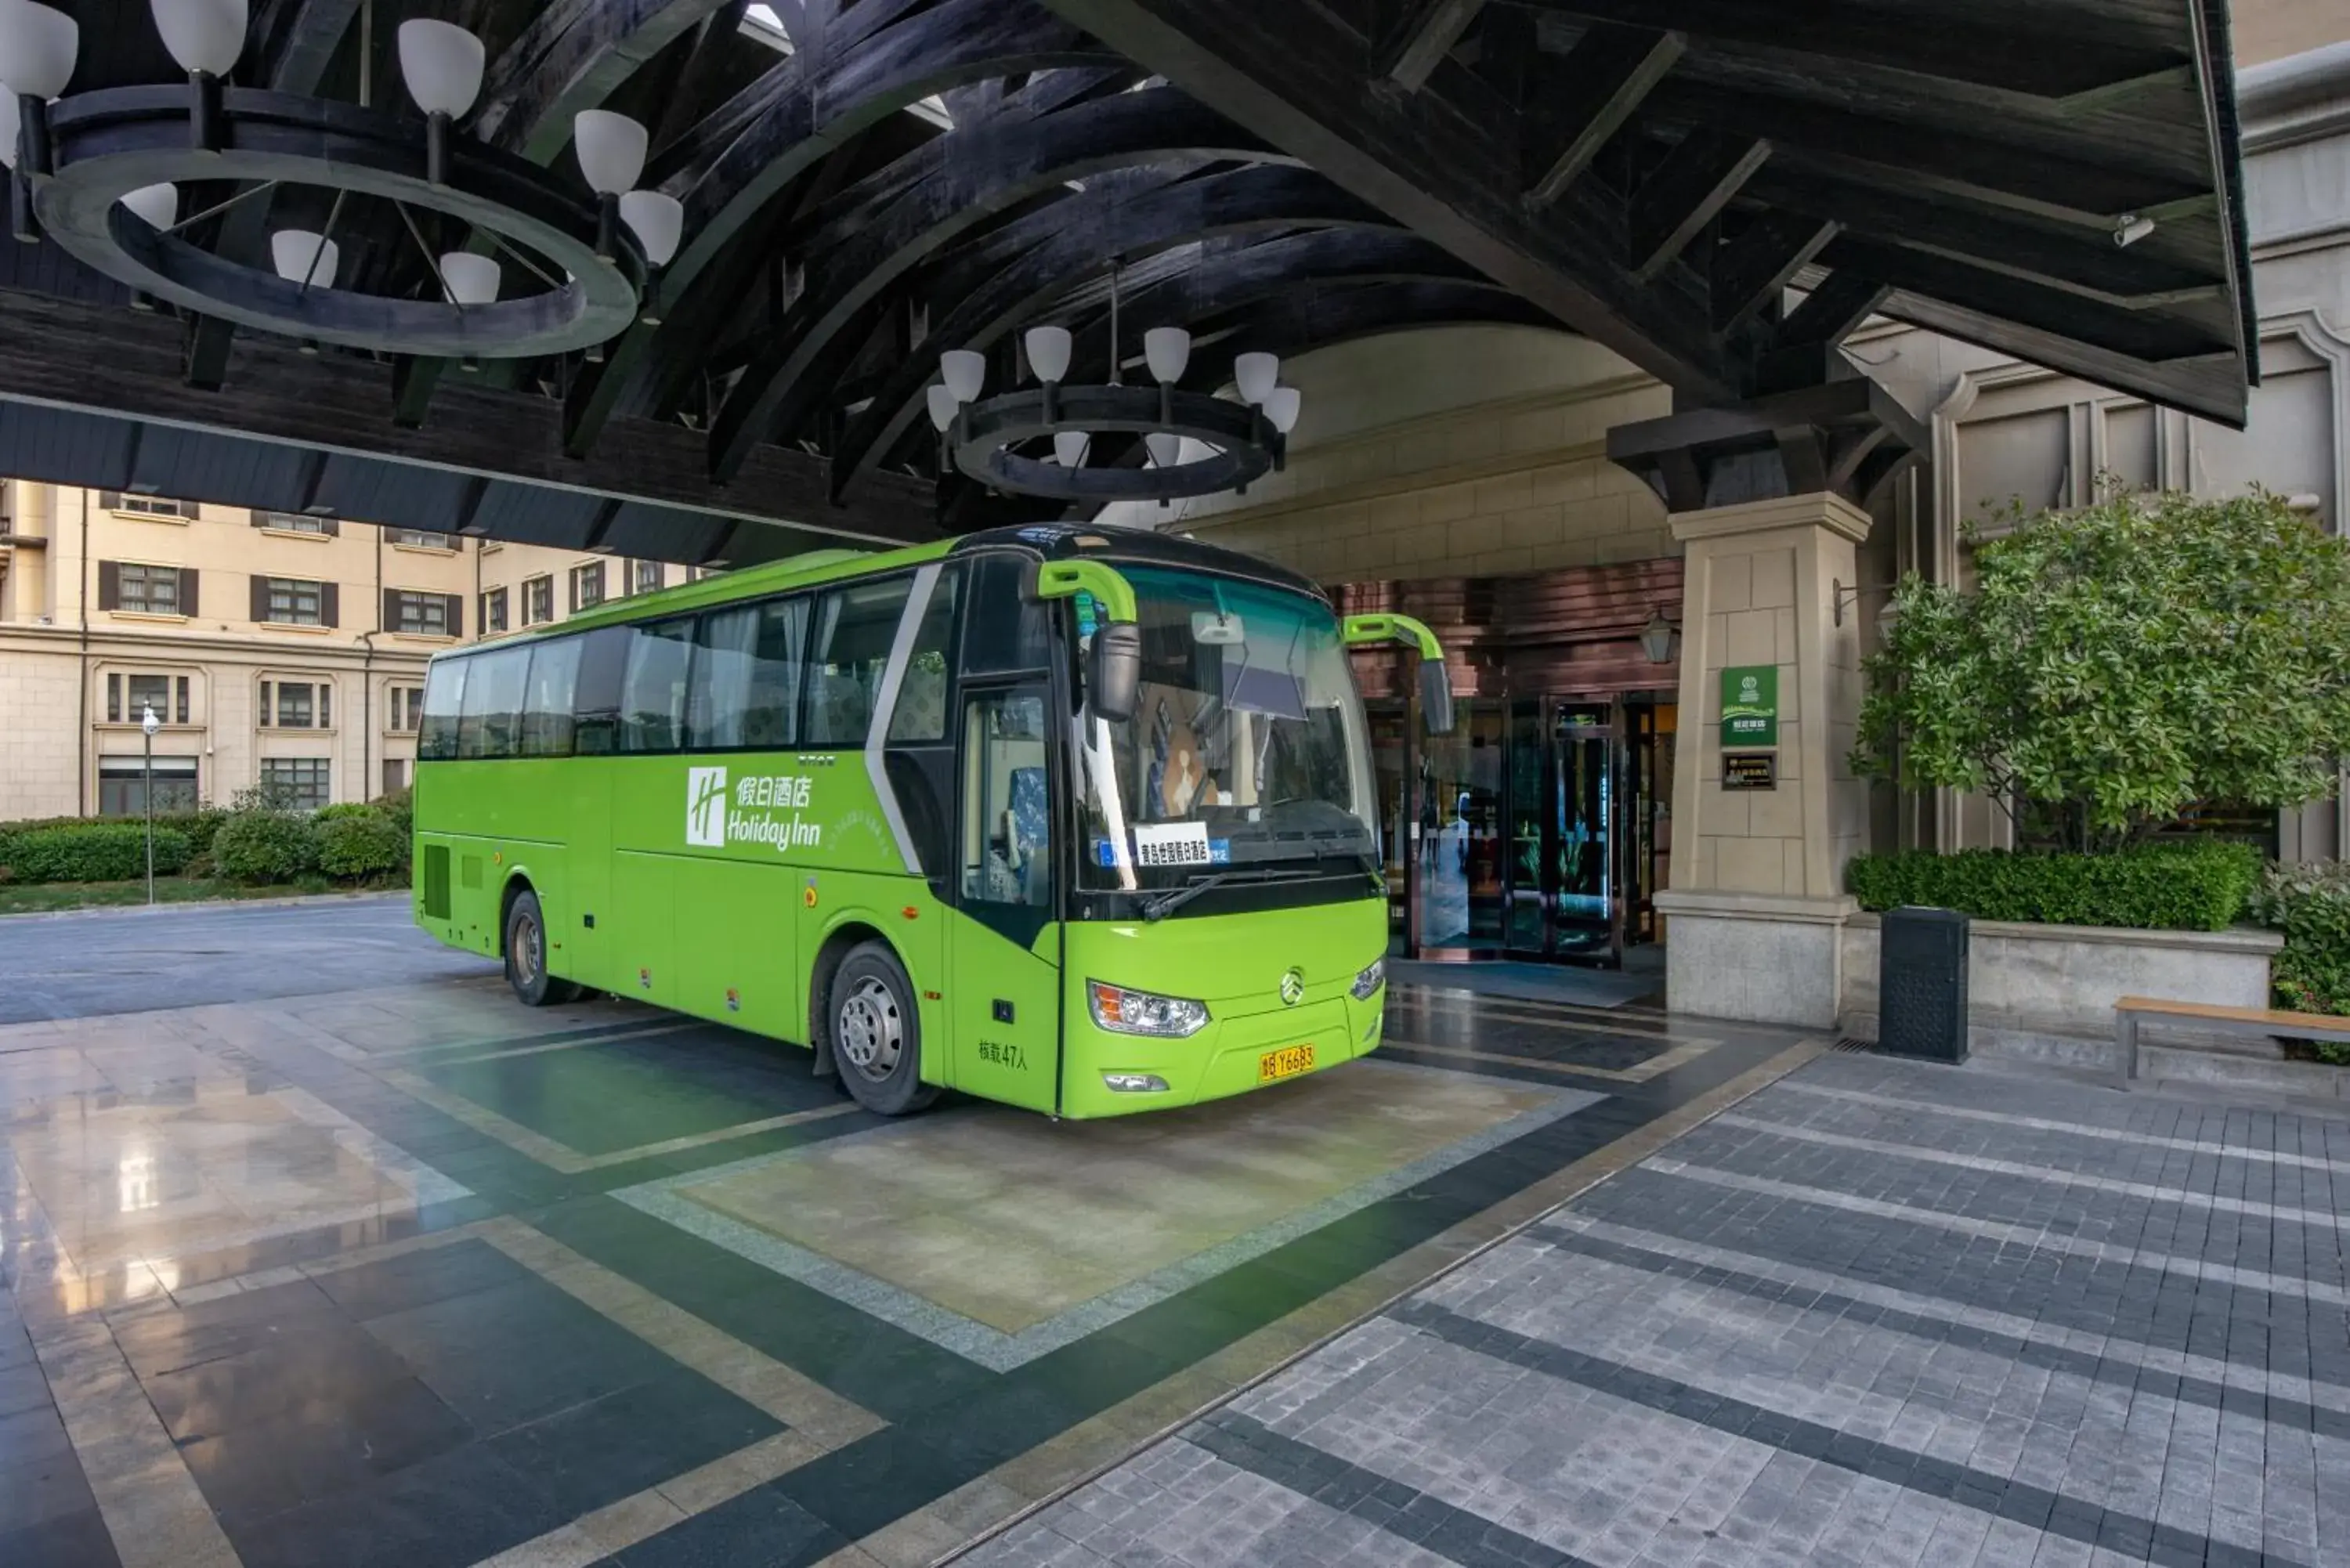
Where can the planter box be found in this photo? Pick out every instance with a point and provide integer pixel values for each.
(2047, 992)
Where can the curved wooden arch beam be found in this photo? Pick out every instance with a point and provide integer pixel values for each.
(965, 179)
(748, 153)
(1071, 240)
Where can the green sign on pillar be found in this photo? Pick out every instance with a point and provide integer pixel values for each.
(1749, 705)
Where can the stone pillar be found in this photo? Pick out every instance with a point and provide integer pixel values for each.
(1768, 502)
(1757, 907)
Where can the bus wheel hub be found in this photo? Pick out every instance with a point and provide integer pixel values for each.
(870, 1032)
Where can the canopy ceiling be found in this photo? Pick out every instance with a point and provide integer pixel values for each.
(866, 183)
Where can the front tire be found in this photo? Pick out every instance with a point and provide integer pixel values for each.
(876, 1033)
(527, 957)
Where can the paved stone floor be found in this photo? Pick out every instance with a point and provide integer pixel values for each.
(319, 1249)
(1879, 1312)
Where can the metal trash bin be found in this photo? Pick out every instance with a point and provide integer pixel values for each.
(1921, 983)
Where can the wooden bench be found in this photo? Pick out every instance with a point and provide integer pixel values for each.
(2222, 1020)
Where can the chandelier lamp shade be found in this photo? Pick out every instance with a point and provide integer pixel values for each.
(100, 172)
(1037, 441)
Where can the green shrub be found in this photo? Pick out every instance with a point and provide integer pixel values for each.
(2309, 906)
(266, 846)
(400, 805)
(2198, 887)
(341, 808)
(91, 852)
(198, 825)
(358, 843)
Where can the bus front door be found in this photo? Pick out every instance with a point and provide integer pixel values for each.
(1004, 948)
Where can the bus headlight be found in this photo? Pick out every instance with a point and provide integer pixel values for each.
(1366, 984)
(1123, 1012)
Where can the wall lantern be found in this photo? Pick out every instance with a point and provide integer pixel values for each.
(1656, 639)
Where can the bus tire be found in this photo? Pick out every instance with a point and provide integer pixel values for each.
(526, 956)
(877, 1031)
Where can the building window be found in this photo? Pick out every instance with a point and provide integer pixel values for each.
(299, 783)
(537, 600)
(419, 615)
(645, 577)
(494, 612)
(297, 704)
(587, 586)
(395, 774)
(406, 706)
(290, 601)
(145, 505)
(122, 785)
(128, 698)
(422, 539)
(296, 522)
(149, 590)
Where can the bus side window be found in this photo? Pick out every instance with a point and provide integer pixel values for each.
(1004, 631)
(445, 686)
(490, 713)
(921, 712)
(547, 721)
(746, 677)
(855, 627)
(652, 694)
(1007, 841)
(603, 657)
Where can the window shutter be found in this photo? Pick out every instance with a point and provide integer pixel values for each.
(260, 605)
(267, 718)
(391, 610)
(188, 591)
(330, 527)
(329, 607)
(325, 705)
(571, 589)
(111, 499)
(109, 585)
(456, 615)
(260, 520)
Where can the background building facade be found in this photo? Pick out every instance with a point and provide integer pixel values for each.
(276, 649)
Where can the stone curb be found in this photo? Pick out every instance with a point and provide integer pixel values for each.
(292, 902)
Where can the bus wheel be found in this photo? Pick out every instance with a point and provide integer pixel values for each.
(877, 1035)
(527, 957)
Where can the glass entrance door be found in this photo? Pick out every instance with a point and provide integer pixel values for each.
(1587, 912)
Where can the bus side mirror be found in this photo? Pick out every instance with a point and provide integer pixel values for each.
(1435, 697)
(1114, 672)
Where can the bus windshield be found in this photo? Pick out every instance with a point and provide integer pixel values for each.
(1247, 753)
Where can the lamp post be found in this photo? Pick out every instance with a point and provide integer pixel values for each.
(148, 725)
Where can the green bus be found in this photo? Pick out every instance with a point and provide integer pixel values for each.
(1080, 819)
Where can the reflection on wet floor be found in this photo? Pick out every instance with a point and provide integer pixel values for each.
(417, 1277)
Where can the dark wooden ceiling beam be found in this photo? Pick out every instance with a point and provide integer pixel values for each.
(1582, 101)
(1442, 165)
(2023, 173)
(1751, 271)
(2027, 46)
(1427, 31)
(1801, 350)
(1685, 194)
(754, 148)
(963, 180)
(70, 355)
(574, 55)
(2068, 258)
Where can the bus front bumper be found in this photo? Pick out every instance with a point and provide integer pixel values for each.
(1255, 1038)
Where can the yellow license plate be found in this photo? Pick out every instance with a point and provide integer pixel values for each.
(1285, 1063)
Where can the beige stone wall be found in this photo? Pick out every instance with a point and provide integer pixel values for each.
(1760, 590)
(1385, 480)
(2265, 30)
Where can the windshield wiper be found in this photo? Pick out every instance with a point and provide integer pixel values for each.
(1166, 903)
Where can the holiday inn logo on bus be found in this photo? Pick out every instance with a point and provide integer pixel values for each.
(706, 807)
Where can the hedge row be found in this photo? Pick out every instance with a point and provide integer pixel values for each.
(90, 852)
(2198, 887)
(252, 844)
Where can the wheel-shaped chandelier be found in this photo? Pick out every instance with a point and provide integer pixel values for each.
(1198, 444)
(100, 173)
